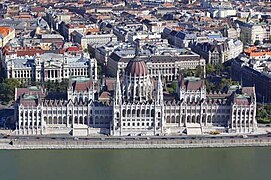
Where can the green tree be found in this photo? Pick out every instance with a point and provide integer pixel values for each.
(210, 69)
(199, 72)
(172, 87)
(7, 90)
(219, 68)
(187, 72)
(57, 86)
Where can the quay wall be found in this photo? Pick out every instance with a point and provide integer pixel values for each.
(132, 144)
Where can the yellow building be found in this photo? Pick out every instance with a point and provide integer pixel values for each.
(6, 34)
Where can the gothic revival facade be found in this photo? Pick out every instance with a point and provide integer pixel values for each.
(141, 109)
(138, 106)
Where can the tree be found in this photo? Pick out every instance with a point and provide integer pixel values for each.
(7, 90)
(172, 87)
(187, 72)
(60, 87)
(210, 69)
(199, 72)
(219, 68)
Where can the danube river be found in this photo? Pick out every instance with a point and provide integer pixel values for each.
(165, 164)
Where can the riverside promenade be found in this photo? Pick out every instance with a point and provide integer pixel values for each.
(134, 143)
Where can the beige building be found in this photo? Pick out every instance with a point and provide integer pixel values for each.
(252, 32)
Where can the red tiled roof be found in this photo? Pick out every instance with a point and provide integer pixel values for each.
(30, 51)
(110, 84)
(37, 9)
(21, 91)
(73, 49)
(28, 102)
(194, 85)
(82, 86)
(243, 101)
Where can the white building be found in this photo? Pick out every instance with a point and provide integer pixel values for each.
(49, 66)
(138, 107)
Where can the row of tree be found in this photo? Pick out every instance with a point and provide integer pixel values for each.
(264, 113)
(7, 88)
(57, 87)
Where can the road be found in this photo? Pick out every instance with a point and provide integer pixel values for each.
(130, 138)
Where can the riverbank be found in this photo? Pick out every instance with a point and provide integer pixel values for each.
(133, 143)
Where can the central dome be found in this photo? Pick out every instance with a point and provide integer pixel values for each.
(136, 67)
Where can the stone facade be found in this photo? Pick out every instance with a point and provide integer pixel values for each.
(138, 106)
(49, 67)
(168, 64)
(217, 52)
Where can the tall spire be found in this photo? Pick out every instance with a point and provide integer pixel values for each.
(159, 90)
(118, 95)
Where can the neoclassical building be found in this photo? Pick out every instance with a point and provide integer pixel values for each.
(167, 61)
(49, 66)
(137, 106)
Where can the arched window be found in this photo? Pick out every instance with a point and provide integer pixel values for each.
(59, 120)
(168, 119)
(86, 119)
(70, 120)
(209, 119)
(123, 112)
(173, 119)
(137, 91)
(65, 120)
(152, 113)
(45, 120)
(55, 120)
(81, 120)
(81, 97)
(143, 112)
(50, 120)
(178, 119)
(148, 112)
(138, 113)
(193, 119)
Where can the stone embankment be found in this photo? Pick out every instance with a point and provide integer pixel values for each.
(131, 143)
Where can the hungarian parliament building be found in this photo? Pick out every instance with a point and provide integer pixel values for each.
(136, 105)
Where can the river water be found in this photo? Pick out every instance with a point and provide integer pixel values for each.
(160, 164)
